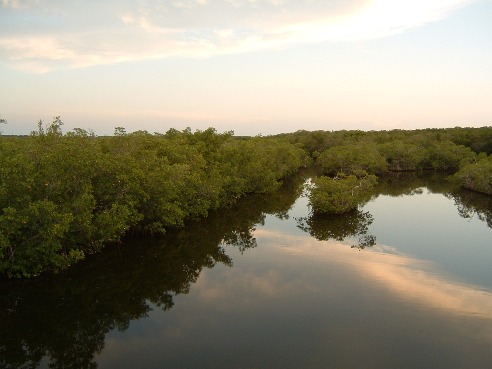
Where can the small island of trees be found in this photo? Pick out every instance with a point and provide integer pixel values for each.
(64, 196)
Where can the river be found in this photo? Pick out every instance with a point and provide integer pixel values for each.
(404, 282)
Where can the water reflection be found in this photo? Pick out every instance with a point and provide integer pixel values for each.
(66, 316)
(326, 303)
(467, 202)
(326, 227)
(412, 183)
(412, 279)
(355, 224)
(470, 204)
(300, 303)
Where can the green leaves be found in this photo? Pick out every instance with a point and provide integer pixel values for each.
(341, 194)
(476, 176)
(32, 239)
(352, 159)
(65, 196)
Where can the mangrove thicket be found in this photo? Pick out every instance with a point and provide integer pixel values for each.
(64, 196)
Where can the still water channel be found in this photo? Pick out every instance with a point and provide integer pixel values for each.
(405, 282)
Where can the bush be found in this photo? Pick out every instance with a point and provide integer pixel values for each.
(341, 194)
(476, 176)
(63, 197)
(352, 159)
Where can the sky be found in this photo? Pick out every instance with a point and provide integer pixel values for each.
(256, 67)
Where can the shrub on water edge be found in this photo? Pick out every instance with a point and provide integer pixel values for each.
(342, 193)
(65, 196)
(476, 176)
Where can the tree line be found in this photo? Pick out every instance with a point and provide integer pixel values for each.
(352, 160)
(64, 196)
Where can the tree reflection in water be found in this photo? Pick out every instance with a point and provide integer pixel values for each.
(339, 227)
(470, 203)
(63, 319)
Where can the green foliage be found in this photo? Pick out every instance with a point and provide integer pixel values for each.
(42, 323)
(64, 196)
(434, 149)
(476, 176)
(403, 156)
(447, 156)
(352, 159)
(31, 239)
(341, 194)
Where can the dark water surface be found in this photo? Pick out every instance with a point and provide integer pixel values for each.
(404, 282)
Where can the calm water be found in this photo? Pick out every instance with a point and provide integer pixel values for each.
(405, 282)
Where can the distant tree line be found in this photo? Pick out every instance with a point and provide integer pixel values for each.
(351, 160)
(64, 196)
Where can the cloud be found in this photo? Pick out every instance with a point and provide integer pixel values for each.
(18, 4)
(408, 278)
(41, 35)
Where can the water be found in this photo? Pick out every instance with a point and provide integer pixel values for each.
(404, 282)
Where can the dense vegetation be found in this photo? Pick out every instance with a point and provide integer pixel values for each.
(65, 196)
(346, 157)
(41, 320)
(44, 316)
(477, 176)
(341, 194)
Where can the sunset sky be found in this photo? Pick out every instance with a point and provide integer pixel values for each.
(251, 66)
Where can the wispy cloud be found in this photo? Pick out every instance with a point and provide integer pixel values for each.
(39, 35)
(18, 4)
(409, 278)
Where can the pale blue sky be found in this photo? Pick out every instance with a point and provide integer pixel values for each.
(251, 66)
